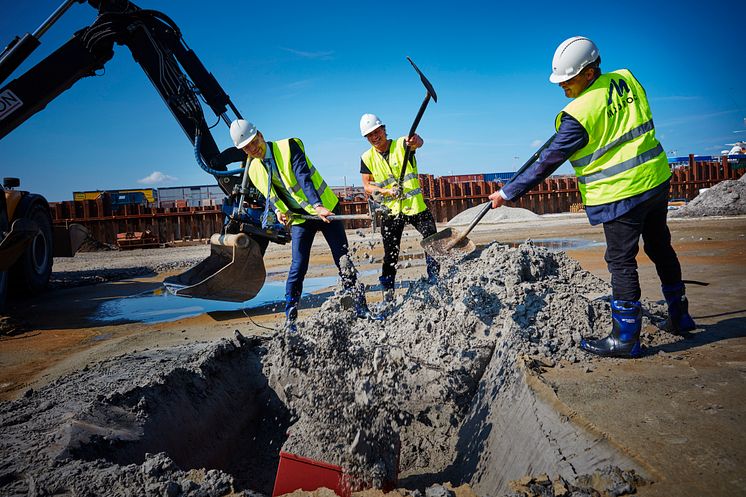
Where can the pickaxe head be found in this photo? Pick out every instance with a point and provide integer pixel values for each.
(428, 86)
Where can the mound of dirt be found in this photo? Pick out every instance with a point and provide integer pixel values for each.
(727, 198)
(433, 393)
(373, 395)
(494, 216)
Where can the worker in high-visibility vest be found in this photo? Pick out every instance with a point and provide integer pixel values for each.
(608, 135)
(381, 167)
(284, 174)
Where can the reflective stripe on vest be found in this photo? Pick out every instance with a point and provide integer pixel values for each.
(386, 174)
(622, 158)
(281, 155)
(391, 180)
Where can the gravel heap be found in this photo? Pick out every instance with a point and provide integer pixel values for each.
(727, 198)
(358, 387)
(97, 431)
(375, 397)
(494, 216)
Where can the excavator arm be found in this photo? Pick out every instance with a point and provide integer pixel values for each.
(184, 84)
(156, 44)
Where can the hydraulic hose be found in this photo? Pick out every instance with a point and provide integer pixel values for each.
(205, 167)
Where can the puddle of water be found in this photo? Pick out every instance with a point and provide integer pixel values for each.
(161, 306)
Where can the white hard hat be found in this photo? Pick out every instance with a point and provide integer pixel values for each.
(242, 132)
(571, 57)
(369, 123)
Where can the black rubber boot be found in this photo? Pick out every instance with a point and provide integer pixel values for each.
(679, 320)
(624, 339)
(387, 288)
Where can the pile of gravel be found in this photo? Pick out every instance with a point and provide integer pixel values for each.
(727, 198)
(360, 387)
(494, 216)
(415, 394)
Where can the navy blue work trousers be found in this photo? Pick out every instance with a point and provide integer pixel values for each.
(302, 239)
(648, 219)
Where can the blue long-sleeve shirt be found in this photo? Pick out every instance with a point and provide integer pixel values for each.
(571, 137)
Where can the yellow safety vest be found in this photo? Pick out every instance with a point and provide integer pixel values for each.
(280, 150)
(623, 158)
(386, 175)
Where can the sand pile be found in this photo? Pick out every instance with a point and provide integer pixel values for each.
(494, 216)
(727, 198)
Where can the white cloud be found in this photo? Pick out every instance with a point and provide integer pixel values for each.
(537, 143)
(156, 178)
(327, 55)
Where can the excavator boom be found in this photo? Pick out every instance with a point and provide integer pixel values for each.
(184, 84)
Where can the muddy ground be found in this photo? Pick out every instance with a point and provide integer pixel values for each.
(675, 415)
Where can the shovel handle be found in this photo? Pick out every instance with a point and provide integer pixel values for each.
(533, 158)
(430, 94)
(408, 152)
(487, 207)
(338, 217)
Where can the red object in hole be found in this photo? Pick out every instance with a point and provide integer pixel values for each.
(300, 473)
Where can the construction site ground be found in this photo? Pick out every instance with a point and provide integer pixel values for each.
(679, 411)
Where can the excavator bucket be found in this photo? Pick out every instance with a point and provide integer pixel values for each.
(234, 271)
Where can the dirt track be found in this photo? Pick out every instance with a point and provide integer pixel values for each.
(678, 411)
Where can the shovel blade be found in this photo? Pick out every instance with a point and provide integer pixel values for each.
(447, 243)
(234, 272)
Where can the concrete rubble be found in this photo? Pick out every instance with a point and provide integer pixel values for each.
(434, 393)
(727, 198)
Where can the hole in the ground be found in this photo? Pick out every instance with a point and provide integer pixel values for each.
(223, 417)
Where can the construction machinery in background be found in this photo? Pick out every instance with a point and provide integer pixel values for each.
(29, 242)
(235, 269)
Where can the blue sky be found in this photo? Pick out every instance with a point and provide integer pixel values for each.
(310, 69)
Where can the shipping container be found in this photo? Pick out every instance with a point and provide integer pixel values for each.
(194, 194)
(463, 178)
(499, 177)
(150, 194)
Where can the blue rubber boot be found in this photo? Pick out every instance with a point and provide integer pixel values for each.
(679, 320)
(291, 315)
(624, 339)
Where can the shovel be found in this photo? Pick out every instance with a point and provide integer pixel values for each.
(430, 93)
(337, 217)
(234, 271)
(452, 242)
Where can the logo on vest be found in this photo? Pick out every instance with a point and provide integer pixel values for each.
(621, 88)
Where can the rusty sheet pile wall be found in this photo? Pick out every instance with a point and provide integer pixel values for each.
(446, 199)
(168, 225)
